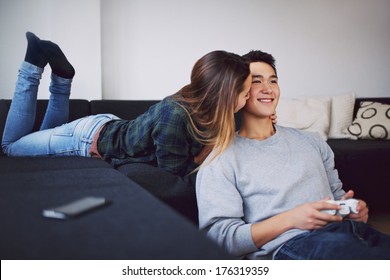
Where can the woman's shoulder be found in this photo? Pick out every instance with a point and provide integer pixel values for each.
(166, 112)
(171, 105)
(168, 106)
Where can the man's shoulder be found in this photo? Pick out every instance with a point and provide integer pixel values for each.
(295, 135)
(298, 132)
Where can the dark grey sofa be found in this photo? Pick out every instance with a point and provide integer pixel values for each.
(152, 221)
(154, 213)
(364, 166)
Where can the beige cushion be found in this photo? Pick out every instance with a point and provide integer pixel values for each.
(309, 114)
(341, 115)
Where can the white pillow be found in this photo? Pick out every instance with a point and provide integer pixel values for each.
(310, 114)
(341, 115)
(372, 121)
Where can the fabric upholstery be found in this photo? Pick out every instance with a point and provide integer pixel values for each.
(153, 214)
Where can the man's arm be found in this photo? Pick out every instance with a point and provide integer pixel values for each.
(336, 184)
(307, 216)
(221, 208)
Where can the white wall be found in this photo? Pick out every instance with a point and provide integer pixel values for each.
(322, 47)
(145, 49)
(74, 25)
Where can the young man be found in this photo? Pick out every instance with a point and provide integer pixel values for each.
(265, 196)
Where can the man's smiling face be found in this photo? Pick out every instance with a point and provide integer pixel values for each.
(264, 93)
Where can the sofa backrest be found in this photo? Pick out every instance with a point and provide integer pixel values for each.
(124, 109)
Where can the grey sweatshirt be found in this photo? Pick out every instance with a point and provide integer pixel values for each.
(254, 180)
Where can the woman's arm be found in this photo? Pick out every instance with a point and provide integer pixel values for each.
(172, 140)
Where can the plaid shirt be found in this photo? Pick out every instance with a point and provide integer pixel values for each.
(159, 137)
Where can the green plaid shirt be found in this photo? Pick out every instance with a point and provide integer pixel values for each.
(159, 137)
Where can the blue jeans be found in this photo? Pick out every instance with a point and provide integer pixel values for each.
(347, 240)
(56, 137)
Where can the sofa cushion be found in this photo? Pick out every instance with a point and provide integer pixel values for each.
(384, 100)
(372, 121)
(176, 191)
(309, 114)
(35, 164)
(341, 115)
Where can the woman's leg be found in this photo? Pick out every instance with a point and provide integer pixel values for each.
(21, 115)
(57, 112)
(71, 139)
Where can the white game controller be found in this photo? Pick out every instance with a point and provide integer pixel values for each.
(347, 206)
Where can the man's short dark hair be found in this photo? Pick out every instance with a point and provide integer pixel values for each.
(259, 56)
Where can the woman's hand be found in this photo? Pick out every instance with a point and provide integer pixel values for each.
(274, 117)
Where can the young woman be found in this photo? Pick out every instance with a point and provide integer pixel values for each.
(173, 134)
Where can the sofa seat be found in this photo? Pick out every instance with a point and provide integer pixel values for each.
(135, 226)
(177, 192)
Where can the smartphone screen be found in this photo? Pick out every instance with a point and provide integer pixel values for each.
(75, 208)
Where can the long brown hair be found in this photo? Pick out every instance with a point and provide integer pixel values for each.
(210, 99)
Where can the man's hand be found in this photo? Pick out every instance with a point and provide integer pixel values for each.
(308, 216)
(362, 215)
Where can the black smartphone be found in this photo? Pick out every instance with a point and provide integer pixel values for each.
(76, 208)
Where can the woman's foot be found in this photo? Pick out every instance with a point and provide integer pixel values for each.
(34, 54)
(40, 52)
(57, 60)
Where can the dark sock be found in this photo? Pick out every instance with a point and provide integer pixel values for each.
(34, 54)
(57, 60)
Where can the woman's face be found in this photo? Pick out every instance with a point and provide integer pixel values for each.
(244, 95)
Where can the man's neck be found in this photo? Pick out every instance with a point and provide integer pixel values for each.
(256, 128)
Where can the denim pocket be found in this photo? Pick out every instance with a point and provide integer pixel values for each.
(66, 129)
(64, 139)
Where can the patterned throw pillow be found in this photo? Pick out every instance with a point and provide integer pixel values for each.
(372, 121)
